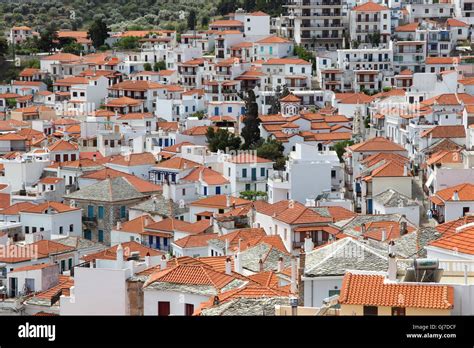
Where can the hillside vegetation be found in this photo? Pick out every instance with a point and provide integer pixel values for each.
(123, 14)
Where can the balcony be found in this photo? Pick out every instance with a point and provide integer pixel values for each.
(88, 220)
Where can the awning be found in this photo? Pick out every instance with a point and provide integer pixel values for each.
(430, 180)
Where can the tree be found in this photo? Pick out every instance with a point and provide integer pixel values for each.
(249, 5)
(192, 20)
(340, 148)
(3, 46)
(251, 130)
(127, 43)
(252, 195)
(161, 65)
(275, 106)
(48, 38)
(273, 150)
(98, 33)
(205, 21)
(304, 54)
(73, 48)
(222, 140)
(147, 67)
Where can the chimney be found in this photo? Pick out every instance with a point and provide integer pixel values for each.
(228, 266)
(147, 260)
(280, 264)
(363, 229)
(226, 251)
(227, 201)
(308, 243)
(260, 265)
(403, 228)
(200, 174)
(293, 275)
(392, 261)
(119, 257)
(405, 170)
(119, 225)
(166, 190)
(238, 262)
(384, 235)
(455, 195)
(163, 263)
(300, 277)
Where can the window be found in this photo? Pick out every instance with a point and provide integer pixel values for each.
(71, 228)
(188, 309)
(262, 171)
(70, 263)
(229, 109)
(63, 265)
(101, 235)
(333, 173)
(100, 212)
(218, 190)
(163, 309)
(90, 211)
(184, 192)
(398, 311)
(123, 212)
(61, 230)
(465, 210)
(244, 172)
(371, 310)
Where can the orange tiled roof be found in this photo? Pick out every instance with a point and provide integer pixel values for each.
(453, 22)
(16, 208)
(177, 163)
(450, 226)
(136, 225)
(460, 241)
(172, 225)
(453, 131)
(55, 207)
(273, 39)
(128, 247)
(441, 60)
(192, 275)
(244, 158)
(370, 7)
(195, 240)
(209, 176)
(465, 193)
(219, 201)
(134, 159)
(376, 144)
(62, 145)
(372, 290)
(407, 27)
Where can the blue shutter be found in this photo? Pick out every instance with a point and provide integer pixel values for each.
(218, 190)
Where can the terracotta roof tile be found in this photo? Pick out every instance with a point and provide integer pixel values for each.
(372, 290)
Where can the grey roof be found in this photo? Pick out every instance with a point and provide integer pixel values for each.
(158, 205)
(108, 190)
(264, 306)
(393, 199)
(411, 244)
(268, 254)
(205, 290)
(79, 243)
(348, 226)
(336, 258)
